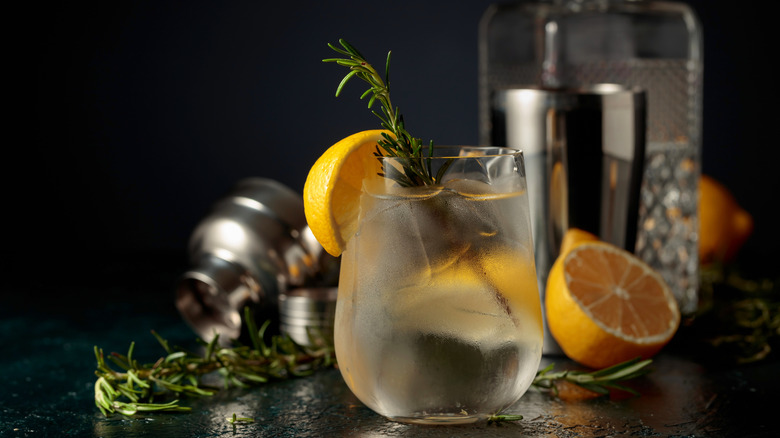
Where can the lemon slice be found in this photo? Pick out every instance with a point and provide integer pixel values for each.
(605, 306)
(331, 195)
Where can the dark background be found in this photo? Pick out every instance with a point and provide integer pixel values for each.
(149, 111)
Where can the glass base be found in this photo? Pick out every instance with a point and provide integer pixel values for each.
(440, 419)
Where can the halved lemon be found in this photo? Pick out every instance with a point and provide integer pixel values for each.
(574, 237)
(331, 194)
(605, 306)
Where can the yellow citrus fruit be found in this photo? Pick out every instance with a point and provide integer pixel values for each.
(724, 226)
(331, 194)
(605, 306)
(574, 237)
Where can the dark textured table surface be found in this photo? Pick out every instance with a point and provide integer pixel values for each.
(47, 369)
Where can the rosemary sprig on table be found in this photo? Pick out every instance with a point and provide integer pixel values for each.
(137, 387)
(738, 316)
(417, 171)
(600, 381)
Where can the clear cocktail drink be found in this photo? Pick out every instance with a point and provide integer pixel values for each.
(438, 317)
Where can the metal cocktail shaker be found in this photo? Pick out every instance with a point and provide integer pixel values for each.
(584, 152)
(654, 45)
(252, 248)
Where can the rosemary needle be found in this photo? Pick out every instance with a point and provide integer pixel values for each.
(234, 419)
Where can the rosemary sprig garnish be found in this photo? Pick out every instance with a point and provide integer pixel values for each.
(417, 170)
(135, 387)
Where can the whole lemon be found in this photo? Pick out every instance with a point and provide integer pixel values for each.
(724, 225)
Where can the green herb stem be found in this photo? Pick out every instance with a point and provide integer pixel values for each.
(600, 381)
(135, 387)
(417, 170)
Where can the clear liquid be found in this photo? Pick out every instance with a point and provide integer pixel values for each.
(438, 318)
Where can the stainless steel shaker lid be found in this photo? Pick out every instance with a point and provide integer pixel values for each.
(209, 298)
(271, 198)
(251, 247)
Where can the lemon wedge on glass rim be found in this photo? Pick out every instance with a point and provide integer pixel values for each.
(331, 194)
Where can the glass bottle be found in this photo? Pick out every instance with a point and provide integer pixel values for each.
(654, 45)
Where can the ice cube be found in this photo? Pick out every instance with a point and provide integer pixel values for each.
(472, 209)
(469, 187)
(389, 242)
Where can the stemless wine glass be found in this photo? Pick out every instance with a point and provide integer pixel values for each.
(438, 318)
